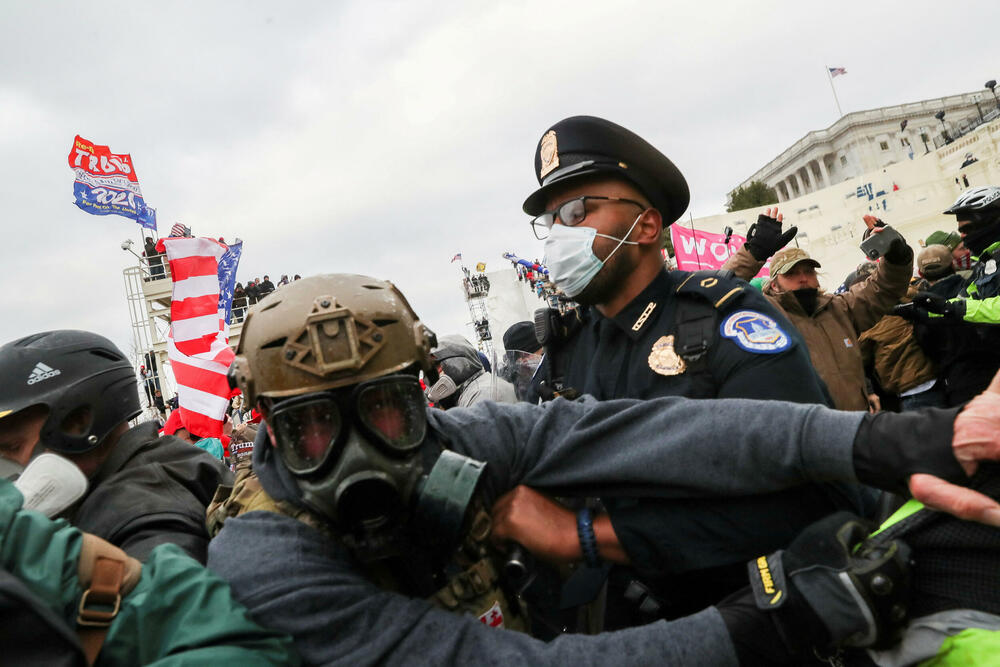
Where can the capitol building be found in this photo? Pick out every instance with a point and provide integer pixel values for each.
(871, 162)
(865, 141)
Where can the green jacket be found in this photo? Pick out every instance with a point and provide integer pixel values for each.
(982, 307)
(179, 613)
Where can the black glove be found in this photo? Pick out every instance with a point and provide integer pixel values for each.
(899, 252)
(831, 588)
(951, 310)
(765, 237)
(910, 311)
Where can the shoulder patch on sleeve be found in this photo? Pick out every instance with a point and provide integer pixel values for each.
(755, 332)
(719, 287)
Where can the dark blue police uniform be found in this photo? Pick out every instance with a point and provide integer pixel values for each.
(700, 335)
(689, 554)
(762, 355)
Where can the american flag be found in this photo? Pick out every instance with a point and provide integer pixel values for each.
(837, 71)
(180, 229)
(197, 347)
(458, 256)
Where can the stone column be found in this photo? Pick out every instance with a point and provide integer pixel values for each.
(823, 172)
(777, 190)
(790, 187)
(798, 181)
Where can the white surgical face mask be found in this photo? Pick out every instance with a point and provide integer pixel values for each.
(570, 258)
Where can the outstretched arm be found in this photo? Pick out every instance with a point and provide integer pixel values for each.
(666, 447)
(681, 448)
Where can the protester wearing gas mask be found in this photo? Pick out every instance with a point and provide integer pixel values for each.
(73, 393)
(462, 379)
(830, 323)
(367, 514)
(959, 326)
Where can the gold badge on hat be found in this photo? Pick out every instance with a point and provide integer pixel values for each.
(549, 152)
(664, 360)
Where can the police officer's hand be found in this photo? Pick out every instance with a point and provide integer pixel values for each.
(950, 310)
(765, 238)
(547, 529)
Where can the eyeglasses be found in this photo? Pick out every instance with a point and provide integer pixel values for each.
(570, 213)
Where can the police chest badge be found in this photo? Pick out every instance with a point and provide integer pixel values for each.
(755, 332)
(664, 360)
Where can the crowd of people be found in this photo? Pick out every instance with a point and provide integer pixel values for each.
(254, 291)
(694, 471)
(244, 296)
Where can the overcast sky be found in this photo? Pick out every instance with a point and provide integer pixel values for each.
(383, 138)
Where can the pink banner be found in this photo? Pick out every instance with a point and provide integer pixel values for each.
(695, 250)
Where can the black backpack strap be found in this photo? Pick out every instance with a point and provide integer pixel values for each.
(701, 294)
(553, 329)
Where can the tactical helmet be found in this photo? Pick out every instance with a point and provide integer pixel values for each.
(976, 199)
(74, 374)
(327, 332)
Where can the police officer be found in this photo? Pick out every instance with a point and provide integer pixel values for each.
(960, 328)
(605, 197)
(364, 494)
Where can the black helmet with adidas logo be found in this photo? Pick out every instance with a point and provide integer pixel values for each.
(85, 382)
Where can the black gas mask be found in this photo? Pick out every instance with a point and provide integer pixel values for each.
(356, 456)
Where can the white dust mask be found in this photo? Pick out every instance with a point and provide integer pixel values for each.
(570, 258)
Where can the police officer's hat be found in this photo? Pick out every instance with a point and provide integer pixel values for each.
(584, 145)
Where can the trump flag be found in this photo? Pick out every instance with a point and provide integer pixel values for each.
(106, 183)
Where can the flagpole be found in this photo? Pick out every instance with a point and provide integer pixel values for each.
(695, 237)
(830, 77)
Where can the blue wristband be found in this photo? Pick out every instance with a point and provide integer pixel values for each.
(588, 541)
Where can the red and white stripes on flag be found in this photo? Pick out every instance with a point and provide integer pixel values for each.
(197, 346)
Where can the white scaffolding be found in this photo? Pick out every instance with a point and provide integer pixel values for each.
(150, 318)
(476, 287)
